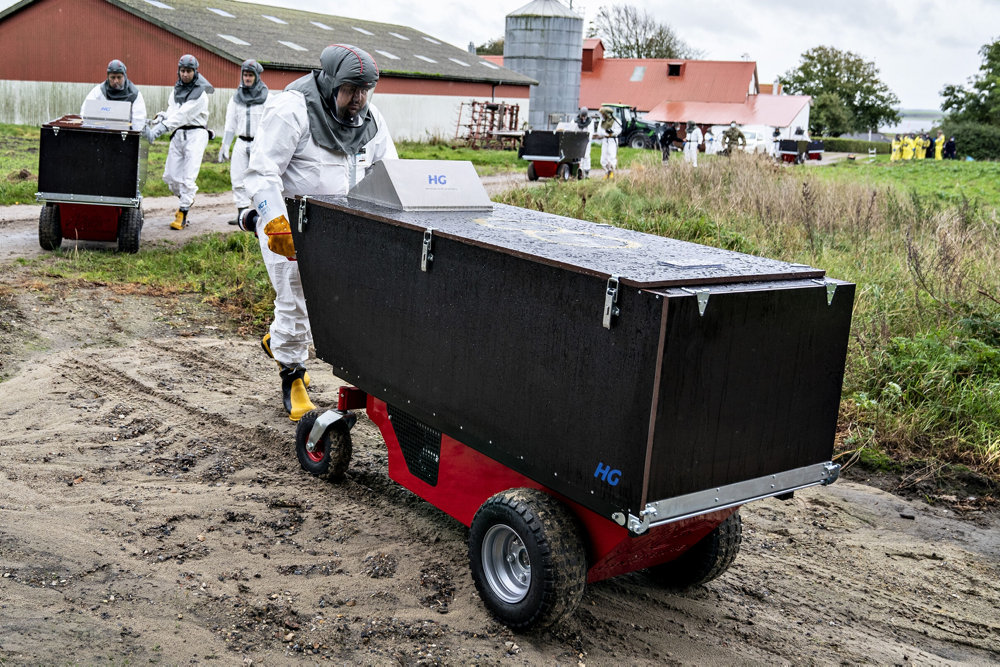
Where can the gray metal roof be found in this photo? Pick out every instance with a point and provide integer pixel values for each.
(291, 39)
(547, 8)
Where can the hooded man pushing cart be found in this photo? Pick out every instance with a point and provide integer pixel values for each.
(318, 137)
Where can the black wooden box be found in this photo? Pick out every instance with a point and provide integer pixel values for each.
(632, 373)
(79, 162)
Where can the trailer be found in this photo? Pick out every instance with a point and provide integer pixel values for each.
(589, 400)
(555, 153)
(90, 176)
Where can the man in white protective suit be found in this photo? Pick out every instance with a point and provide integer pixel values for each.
(318, 137)
(186, 119)
(693, 137)
(116, 87)
(608, 130)
(242, 118)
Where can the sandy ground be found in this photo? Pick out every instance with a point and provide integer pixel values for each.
(152, 511)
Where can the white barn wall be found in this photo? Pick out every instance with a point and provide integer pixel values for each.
(37, 102)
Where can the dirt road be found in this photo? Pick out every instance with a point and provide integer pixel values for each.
(152, 510)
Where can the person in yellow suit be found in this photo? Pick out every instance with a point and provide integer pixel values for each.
(896, 145)
(907, 148)
(923, 143)
(939, 146)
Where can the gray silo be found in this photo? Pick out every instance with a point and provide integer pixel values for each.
(544, 40)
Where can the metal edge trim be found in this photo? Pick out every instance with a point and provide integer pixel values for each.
(61, 198)
(710, 500)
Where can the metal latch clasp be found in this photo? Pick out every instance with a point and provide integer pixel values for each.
(426, 256)
(302, 212)
(611, 310)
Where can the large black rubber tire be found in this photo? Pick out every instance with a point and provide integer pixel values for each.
(129, 229)
(706, 560)
(532, 174)
(639, 141)
(49, 229)
(564, 171)
(529, 534)
(333, 451)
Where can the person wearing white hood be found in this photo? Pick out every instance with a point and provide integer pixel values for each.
(118, 88)
(318, 137)
(243, 115)
(186, 119)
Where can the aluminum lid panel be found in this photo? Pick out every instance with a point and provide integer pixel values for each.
(639, 259)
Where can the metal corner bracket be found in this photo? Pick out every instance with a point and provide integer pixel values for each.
(831, 289)
(702, 296)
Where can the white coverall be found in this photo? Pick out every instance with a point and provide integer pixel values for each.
(710, 143)
(694, 137)
(609, 146)
(242, 121)
(287, 162)
(187, 147)
(138, 106)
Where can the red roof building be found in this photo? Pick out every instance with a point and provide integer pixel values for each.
(710, 92)
(646, 82)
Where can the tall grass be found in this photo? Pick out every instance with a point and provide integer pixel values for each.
(923, 373)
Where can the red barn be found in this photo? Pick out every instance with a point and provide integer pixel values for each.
(53, 51)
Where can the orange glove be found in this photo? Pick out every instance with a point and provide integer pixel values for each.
(279, 237)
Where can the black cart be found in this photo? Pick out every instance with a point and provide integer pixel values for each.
(555, 153)
(90, 178)
(589, 400)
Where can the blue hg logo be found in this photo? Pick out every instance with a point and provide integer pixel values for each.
(612, 477)
(437, 179)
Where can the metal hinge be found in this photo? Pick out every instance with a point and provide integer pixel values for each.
(611, 311)
(302, 212)
(426, 256)
(124, 135)
(702, 296)
(55, 131)
(831, 289)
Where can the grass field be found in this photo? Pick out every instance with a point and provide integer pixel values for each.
(950, 182)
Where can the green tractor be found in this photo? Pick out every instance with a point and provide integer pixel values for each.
(635, 132)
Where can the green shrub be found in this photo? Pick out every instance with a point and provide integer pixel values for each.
(982, 142)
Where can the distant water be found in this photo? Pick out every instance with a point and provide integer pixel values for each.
(914, 120)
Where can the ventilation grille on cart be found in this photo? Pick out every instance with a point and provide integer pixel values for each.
(420, 443)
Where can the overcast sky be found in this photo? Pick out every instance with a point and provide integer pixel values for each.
(917, 45)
